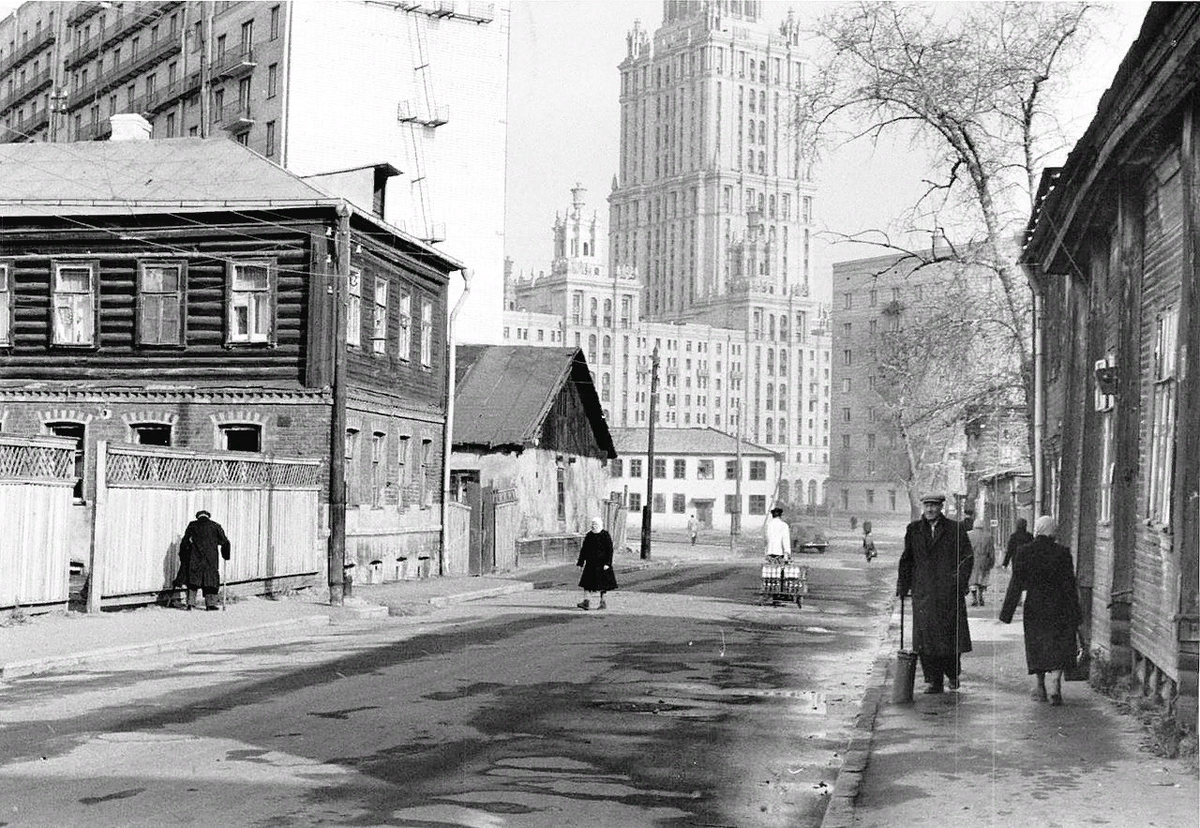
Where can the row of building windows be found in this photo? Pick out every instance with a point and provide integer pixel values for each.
(704, 468)
(371, 470)
(375, 316)
(757, 503)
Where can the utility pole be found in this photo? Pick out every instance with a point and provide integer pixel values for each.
(735, 517)
(339, 587)
(648, 507)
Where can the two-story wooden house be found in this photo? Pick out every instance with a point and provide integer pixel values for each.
(182, 293)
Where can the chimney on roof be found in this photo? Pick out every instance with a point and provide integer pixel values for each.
(129, 126)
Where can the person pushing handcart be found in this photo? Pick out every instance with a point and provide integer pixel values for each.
(781, 579)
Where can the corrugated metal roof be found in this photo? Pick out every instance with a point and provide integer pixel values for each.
(682, 441)
(504, 392)
(172, 170)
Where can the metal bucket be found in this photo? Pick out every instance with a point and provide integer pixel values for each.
(906, 668)
(904, 677)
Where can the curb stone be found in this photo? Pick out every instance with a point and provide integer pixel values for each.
(446, 600)
(41, 665)
(839, 812)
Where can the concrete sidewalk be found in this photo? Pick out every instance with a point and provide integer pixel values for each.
(43, 643)
(989, 755)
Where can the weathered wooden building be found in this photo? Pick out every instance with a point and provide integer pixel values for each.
(1112, 253)
(182, 293)
(529, 419)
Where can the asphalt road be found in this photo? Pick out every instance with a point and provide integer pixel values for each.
(684, 703)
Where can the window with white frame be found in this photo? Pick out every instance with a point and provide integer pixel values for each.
(379, 328)
(1162, 425)
(404, 332)
(354, 308)
(250, 301)
(160, 311)
(74, 299)
(426, 333)
(6, 304)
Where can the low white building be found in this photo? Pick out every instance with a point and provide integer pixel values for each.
(695, 472)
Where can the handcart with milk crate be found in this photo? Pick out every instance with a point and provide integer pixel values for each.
(783, 581)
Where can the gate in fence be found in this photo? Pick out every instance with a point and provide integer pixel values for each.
(37, 476)
(145, 496)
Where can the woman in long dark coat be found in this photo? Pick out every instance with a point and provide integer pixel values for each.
(1044, 570)
(596, 557)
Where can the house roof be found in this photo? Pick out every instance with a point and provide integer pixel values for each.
(161, 176)
(504, 393)
(683, 441)
(173, 170)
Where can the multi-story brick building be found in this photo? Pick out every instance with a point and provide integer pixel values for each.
(713, 207)
(702, 366)
(421, 86)
(869, 460)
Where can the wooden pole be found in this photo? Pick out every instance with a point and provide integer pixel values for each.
(96, 561)
(339, 589)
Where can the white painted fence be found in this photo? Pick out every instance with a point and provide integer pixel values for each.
(37, 475)
(146, 495)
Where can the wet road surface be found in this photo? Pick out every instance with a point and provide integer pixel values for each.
(684, 703)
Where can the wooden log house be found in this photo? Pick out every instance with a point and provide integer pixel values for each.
(1111, 250)
(182, 292)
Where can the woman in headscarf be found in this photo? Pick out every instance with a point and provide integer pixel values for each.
(1044, 570)
(596, 556)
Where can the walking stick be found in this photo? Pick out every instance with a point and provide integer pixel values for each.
(224, 584)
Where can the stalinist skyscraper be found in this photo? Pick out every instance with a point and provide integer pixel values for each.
(712, 205)
(713, 197)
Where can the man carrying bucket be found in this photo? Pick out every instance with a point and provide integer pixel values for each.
(935, 568)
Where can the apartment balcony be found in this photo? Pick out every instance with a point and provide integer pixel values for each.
(126, 69)
(94, 131)
(27, 50)
(235, 117)
(82, 11)
(234, 63)
(24, 130)
(133, 16)
(31, 86)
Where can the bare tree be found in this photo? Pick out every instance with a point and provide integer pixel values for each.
(941, 358)
(977, 87)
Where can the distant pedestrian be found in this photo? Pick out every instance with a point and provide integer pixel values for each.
(779, 534)
(596, 557)
(693, 528)
(1044, 571)
(868, 542)
(985, 560)
(936, 568)
(203, 541)
(1016, 540)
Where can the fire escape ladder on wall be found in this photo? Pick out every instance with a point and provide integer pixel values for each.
(421, 115)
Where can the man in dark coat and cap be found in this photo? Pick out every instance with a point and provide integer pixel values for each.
(203, 541)
(935, 568)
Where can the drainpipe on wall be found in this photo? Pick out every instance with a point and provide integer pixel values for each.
(447, 431)
(1039, 393)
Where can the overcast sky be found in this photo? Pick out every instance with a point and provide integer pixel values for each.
(564, 122)
(564, 126)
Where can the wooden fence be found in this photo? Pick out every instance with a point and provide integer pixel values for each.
(146, 495)
(37, 475)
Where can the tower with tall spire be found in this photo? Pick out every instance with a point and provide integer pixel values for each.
(712, 204)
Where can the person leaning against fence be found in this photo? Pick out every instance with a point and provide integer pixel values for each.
(202, 542)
